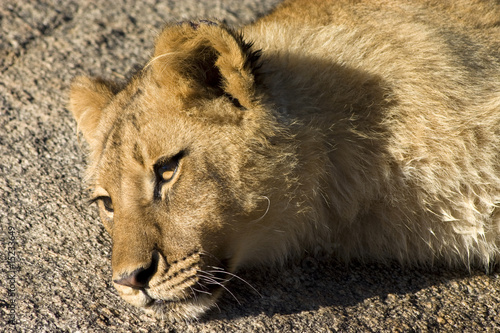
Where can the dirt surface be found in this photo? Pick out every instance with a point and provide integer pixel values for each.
(55, 255)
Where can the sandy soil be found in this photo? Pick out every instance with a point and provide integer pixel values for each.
(55, 255)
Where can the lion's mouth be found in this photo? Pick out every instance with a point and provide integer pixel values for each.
(163, 305)
(207, 284)
(183, 309)
(185, 290)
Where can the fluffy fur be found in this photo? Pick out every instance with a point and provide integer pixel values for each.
(365, 129)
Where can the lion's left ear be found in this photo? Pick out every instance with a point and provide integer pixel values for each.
(214, 59)
(88, 97)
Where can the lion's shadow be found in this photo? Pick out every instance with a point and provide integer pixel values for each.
(313, 284)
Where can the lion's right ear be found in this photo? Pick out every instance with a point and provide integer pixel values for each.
(206, 59)
(88, 97)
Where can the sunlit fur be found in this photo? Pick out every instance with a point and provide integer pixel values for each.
(361, 129)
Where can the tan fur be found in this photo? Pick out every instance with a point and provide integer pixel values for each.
(367, 129)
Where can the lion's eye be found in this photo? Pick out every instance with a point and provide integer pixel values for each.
(166, 169)
(107, 203)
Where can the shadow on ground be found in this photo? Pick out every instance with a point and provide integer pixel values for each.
(313, 284)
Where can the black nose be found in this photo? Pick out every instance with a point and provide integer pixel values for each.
(140, 277)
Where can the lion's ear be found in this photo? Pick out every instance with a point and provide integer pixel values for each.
(207, 59)
(88, 97)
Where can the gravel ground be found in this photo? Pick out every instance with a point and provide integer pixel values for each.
(55, 258)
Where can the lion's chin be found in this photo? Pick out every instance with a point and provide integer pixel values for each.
(186, 309)
(182, 310)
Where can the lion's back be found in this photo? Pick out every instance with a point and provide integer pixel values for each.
(416, 91)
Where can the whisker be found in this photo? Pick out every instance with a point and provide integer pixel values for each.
(237, 277)
(218, 268)
(201, 285)
(217, 278)
(158, 57)
(193, 293)
(217, 305)
(265, 213)
(201, 291)
(215, 282)
(208, 254)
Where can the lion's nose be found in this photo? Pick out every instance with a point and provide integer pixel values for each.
(140, 277)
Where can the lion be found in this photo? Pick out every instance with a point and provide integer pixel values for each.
(358, 129)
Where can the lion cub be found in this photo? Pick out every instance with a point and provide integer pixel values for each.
(366, 129)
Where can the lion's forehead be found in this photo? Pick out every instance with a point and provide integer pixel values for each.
(137, 121)
(134, 142)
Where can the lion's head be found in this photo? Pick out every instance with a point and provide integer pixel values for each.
(184, 159)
